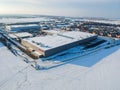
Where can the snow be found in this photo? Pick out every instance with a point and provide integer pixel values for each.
(117, 22)
(105, 75)
(18, 26)
(22, 34)
(55, 31)
(10, 65)
(16, 20)
(96, 71)
(56, 40)
(77, 34)
(78, 74)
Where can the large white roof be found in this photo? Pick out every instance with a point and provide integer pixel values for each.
(77, 35)
(22, 34)
(29, 25)
(57, 39)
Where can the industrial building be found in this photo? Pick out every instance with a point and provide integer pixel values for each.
(23, 27)
(20, 35)
(56, 41)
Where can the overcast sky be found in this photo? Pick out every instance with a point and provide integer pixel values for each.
(82, 8)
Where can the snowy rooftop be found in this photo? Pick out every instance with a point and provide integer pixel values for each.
(77, 35)
(22, 34)
(57, 39)
(29, 25)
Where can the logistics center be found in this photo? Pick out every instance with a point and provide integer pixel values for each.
(56, 41)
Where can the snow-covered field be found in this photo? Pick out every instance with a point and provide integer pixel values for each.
(107, 21)
(97, 71)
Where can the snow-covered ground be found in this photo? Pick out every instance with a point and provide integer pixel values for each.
(107, 21)
(97, 71)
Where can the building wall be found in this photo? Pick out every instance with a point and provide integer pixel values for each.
(29, 45)
(68, 46)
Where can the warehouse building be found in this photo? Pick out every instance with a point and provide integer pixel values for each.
(57, 42)
(23, 27)
(20, 35)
